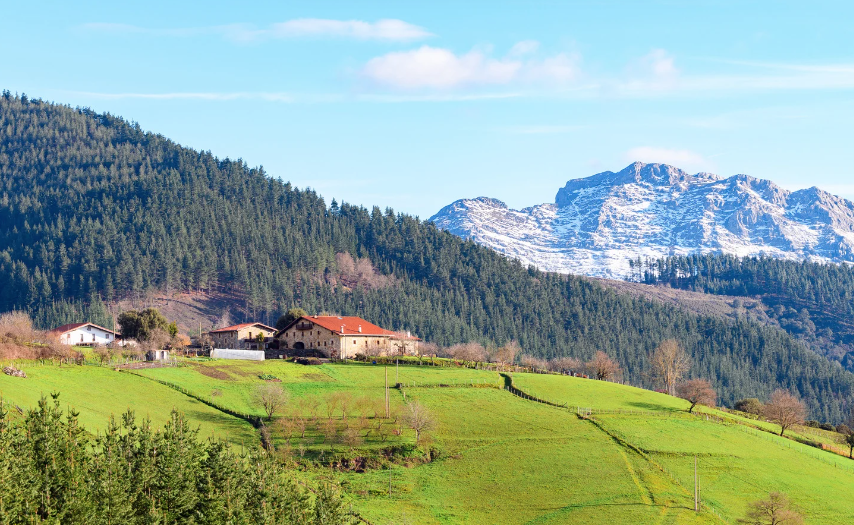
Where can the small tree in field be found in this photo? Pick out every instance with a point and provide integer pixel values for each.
(419, 418)
(270, 397)
(603, 367)
(697, 392)
(785, 409)
(775, 510)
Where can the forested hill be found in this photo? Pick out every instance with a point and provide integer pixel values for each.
(92, 208)
(812, 301)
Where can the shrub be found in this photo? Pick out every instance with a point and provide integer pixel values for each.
(750, 405)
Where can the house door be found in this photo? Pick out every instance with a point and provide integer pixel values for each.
(299, 345)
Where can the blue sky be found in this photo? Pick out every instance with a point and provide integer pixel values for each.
(416, 104)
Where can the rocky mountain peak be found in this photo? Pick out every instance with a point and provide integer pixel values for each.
(599, 223)
(655, 175)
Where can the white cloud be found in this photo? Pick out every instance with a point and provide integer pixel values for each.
(438, 68)
(681, 158)
(385, 29)
(525, 47)
(433, 67)
(659, 64)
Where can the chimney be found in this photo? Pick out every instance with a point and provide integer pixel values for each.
(360, 329)
(342, 328)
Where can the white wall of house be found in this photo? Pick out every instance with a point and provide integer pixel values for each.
(87, 335)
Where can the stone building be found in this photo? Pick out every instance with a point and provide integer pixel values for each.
(344, 337)
(242, 336)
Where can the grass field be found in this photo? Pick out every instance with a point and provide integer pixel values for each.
(97, 393)
(501, 459)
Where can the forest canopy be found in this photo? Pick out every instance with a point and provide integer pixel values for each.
(93, 209)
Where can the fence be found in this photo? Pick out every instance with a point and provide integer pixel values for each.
(255, 421)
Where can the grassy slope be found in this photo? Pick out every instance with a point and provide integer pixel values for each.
(97, 393)
(504, 459)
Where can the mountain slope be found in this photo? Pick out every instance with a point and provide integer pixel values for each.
(598, 224)
(93, 208)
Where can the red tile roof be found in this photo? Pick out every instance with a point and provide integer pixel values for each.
(71, 327)
(237, 327)
(346, 325)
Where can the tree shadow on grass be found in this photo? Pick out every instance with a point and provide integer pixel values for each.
(655, 407)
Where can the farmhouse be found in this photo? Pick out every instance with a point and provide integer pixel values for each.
(242, 336)
(344, 337)
(86, 334)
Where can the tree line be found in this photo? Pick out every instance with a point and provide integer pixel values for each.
(812, 301)
(93, 209)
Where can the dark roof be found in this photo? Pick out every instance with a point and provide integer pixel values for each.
(71, 327)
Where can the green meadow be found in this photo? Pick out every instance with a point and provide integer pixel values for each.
(496, 458)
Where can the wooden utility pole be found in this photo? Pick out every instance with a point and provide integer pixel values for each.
(386, 392)
(696, 487)
(397, 371)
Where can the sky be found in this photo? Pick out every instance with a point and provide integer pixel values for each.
(412, 105)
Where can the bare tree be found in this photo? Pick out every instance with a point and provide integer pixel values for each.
(785, 409)
(603, 367)
(419, 418)
(669, 364)
(775, 510)
(102, 353)
(566, 364)
(467, 352)
(506, 354)
(271, 397)
(697, 392)
(534, 363)
(427, 349)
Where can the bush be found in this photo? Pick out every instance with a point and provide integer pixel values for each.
(827, 426)
(750, 405)
(308, 361)
(812, 423)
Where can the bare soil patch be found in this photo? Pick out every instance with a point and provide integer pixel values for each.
(214, 373)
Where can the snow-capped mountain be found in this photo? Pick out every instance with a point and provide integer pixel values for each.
(597, 224)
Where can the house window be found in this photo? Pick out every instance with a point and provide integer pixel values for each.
(93, 338)
(88, 328)
(354, 341)
(81, 338)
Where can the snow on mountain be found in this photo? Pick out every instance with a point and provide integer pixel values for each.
(597, 224)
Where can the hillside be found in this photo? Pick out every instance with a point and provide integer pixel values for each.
(495, 457)
(599, 225)
(94, 211)
(813, 302)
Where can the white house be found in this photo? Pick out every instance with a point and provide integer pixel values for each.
(86, 334)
